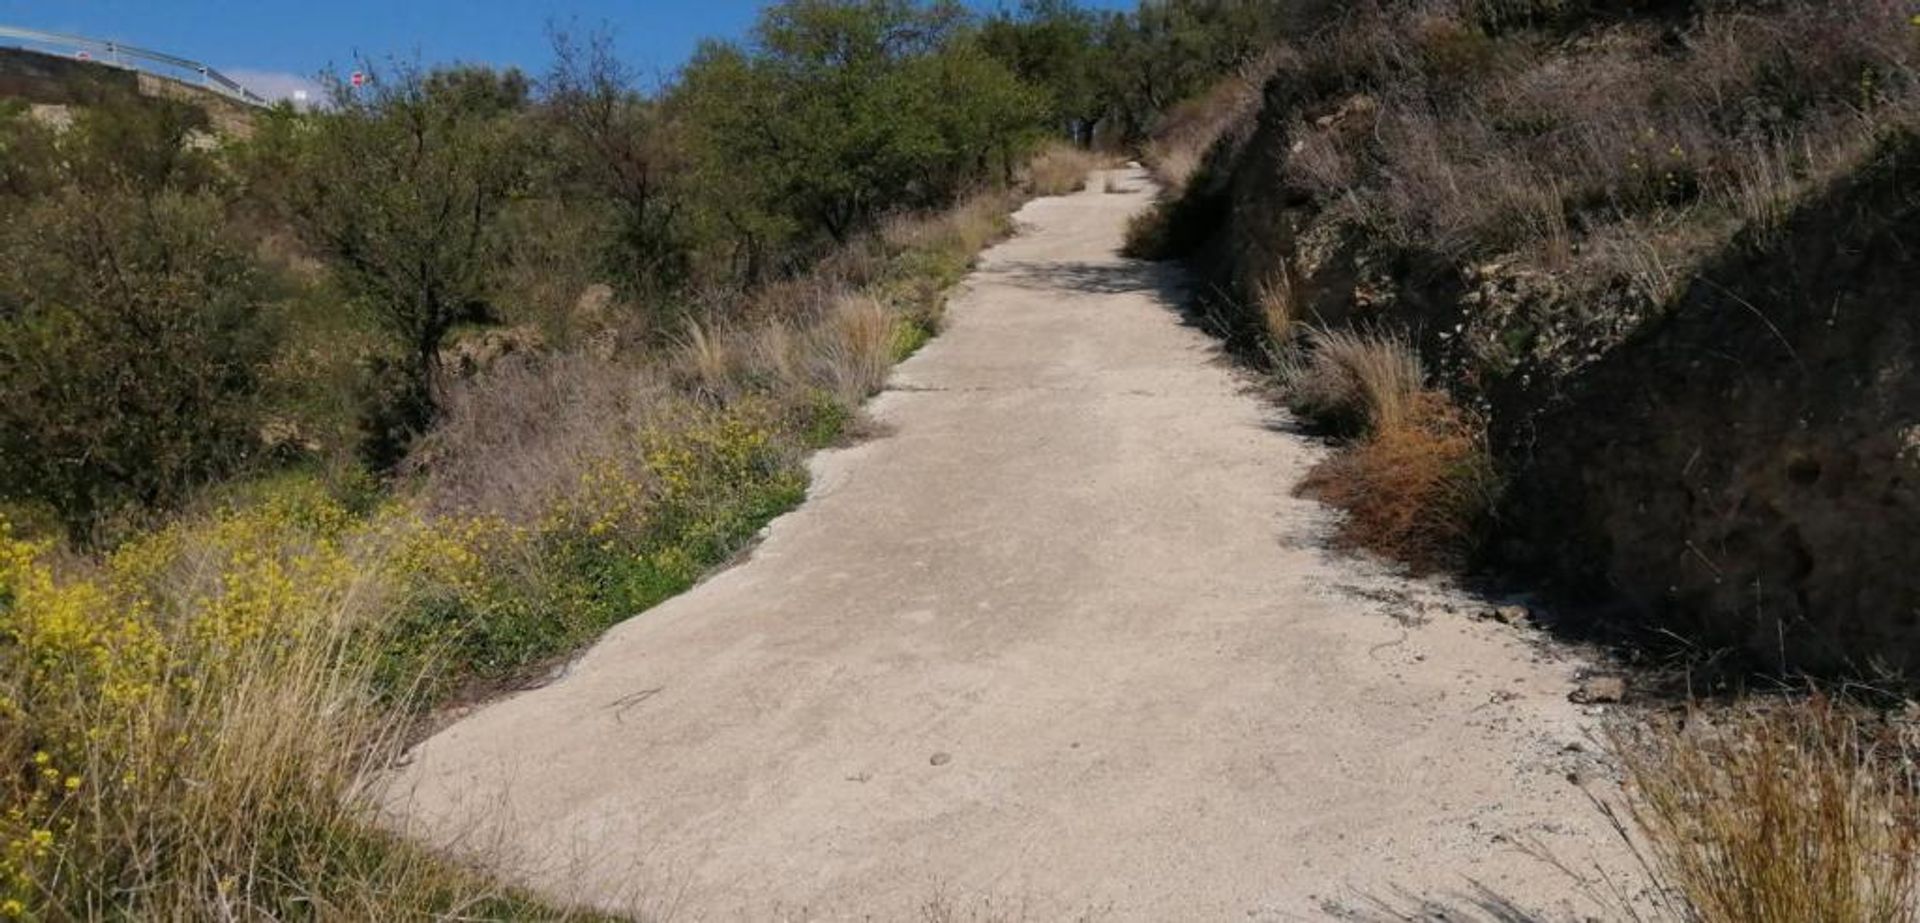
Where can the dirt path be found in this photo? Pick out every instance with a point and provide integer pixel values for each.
(1062, 643)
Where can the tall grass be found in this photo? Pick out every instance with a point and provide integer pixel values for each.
(1273, 304)
(1061, 169)
(1798, 814)
(856, 347)
(1454, 133)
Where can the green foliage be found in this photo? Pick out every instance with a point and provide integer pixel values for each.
(402, 186)
(616, 145)
(1053, 45)
(131, 342)
(1174, 50)
(27, 158)
(838, 112)
(140, 144)
(482, 92)
(1112, 74)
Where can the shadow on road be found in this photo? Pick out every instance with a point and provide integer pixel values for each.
(1479, 904)
(1096, 278)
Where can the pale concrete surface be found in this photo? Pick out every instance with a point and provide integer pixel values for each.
(1060, 644)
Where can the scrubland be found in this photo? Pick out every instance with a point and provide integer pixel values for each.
(314, 429)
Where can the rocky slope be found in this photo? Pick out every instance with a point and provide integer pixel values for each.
(1663, 249)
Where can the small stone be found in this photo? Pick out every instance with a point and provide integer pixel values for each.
(1599, 690)
(1507, 615)
(941, 759)
(595, 303)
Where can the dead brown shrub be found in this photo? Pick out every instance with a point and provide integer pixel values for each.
(1417, 490)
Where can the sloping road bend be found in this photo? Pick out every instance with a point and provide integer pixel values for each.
(1061, 644)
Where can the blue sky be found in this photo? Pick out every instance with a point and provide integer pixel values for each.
(273, 45)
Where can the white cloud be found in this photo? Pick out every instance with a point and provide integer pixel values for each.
(278, 85)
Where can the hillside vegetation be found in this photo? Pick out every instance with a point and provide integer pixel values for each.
(1641, 270)
(309, 429)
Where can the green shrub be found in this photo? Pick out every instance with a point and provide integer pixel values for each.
(401, 187)
(132, 338)
(838, 112)
(138, 144)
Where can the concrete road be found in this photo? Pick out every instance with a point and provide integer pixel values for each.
(1061, 645)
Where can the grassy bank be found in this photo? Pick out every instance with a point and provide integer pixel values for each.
(199, 710)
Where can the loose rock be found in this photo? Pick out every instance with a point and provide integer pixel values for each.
(1600, 690)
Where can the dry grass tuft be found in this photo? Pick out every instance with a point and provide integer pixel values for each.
(1418, 484)
(1351, 380)
(1274, 302)
(856, 349)
(966, 228)
(1805, 814)
(1061, 169)
(1147, 236)
(708, 358)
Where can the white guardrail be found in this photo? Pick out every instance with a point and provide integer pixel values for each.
(116, 54)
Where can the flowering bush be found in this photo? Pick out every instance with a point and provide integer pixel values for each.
(135, 687)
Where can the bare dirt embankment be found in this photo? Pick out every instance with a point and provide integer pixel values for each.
(1062, 642)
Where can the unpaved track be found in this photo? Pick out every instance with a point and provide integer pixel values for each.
(1060, 643)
